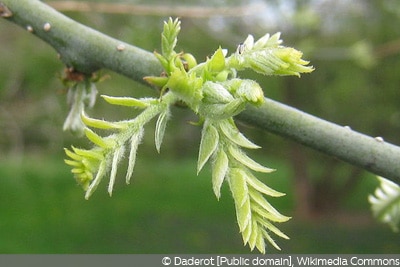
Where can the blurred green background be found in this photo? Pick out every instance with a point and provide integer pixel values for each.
(354, 46)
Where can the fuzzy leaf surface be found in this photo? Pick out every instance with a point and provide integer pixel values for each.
(208, 144)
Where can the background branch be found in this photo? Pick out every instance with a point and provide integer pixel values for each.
(87, 50)
(158, 10)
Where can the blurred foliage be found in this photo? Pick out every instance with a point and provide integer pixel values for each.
(354, 46)
(42, 211)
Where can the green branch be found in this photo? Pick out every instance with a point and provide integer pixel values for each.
(87, 50)
(372, 154)
(82, 48)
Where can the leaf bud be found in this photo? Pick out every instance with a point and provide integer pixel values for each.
(216, 93)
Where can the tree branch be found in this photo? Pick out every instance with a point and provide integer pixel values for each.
(372, 154)
(158, 10)
(87, 50)
(80, 47)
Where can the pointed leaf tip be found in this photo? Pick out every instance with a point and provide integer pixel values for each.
(232, 133)
(247, 161)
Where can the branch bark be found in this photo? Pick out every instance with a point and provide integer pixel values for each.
(87, 50)
(80, 47)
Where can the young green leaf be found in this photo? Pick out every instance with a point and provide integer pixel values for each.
(160, 128)
(97, 139)
(80, 95)
(216, 93)
(219, 170)
(256, 237)
(261, 187)
(266, 224)
(208, 144)
(264, 204)
(267, 215)
(222, 111)
(135, 141)
(72, 163)
(118, 154)
(91, 154)
(159, 82)
(251, 91)
(240, 156)
(247, 233)
(169, 37)
(270, 240)
(217, 61)
(238, 186)
(101, 124)
(186, 87)
(268, 41)
(73, 155)
(126, 101)
(230, 130)
(268, 57)
(99, 176)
